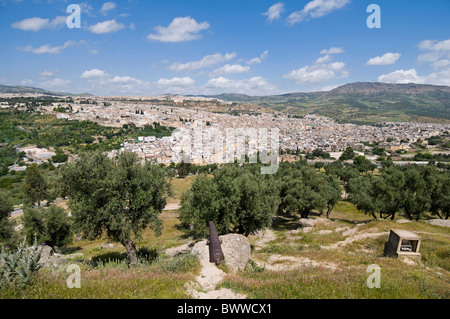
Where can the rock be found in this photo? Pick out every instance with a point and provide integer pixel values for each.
(107, 246)
(307, 229)
(174, 251)
(293, 232)
(304, 222)
(46, 252)
(235, 247)
(324, 232)
(439, 222)
(403, 221)
(236, 250)
(49, 257)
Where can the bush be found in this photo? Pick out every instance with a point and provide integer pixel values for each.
(50, 225)
(147, 255)
(18, 268)
(182, 263)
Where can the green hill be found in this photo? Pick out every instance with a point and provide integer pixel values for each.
(17, 89)
(363, 102)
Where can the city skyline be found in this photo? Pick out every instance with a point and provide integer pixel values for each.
(205, 47)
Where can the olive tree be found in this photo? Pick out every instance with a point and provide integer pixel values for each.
(237, 199)
(6, 228)
(119, 197)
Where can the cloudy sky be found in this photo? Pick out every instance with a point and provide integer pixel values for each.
(138, 47)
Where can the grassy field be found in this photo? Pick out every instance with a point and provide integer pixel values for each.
(341, 272)
(328, 261)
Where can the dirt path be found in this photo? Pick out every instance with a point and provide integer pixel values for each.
(204, 286)
(353, 238)
(262, 238)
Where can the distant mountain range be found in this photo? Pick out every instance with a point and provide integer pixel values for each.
(361, 102)
(32, 90)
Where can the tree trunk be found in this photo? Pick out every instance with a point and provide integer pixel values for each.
(328, 212)
(131, 250)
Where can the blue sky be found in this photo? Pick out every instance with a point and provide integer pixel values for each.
(255, 47)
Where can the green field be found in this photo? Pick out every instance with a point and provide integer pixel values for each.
(339, 272)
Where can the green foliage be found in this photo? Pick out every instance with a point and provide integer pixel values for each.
(348, 154)
(6, 228)
(318, 152)
(412, 190)
(50, 225)
(181, 263)
(119, 196)
(60, 158)
(362, 164)
(237, 199)
(18, 267)
(304, 190)
(35, 186)
(252, 266)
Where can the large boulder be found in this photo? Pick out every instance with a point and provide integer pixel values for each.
(236, 250)
(49, 257)
(439, 222)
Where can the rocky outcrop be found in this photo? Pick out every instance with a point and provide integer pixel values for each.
(235, 247)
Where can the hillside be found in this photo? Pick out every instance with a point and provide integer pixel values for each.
(17, 89)
(363, 102)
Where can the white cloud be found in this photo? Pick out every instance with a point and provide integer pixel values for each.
(48, 49)
(36, 23)
(56, 83)
(87, 9)
(94, 73)
(253, 86)
(441, 77)
(386, 59)
(401, 77)
(274, 12)
(26, 82)
(230, 69)
(181, 29)
(441, 63)
(324, 59)
(176, 82)
(109, 26)
(259, 59)
(47, 73)
(317, 73)
(124, 80)
(107, 6)
(436, 52)
(321, 71)
(332, 50)
(113, 84)
(316, 9)
(433, 45)
(205, 62)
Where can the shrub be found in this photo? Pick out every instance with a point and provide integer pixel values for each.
(50, 225)
(182, 263)
(18, 268)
